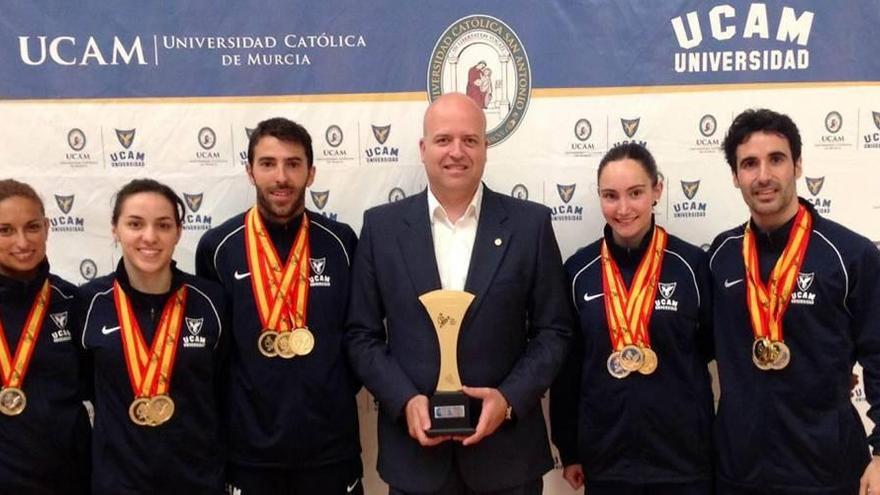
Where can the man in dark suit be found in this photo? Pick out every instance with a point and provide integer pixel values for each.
(459, 235)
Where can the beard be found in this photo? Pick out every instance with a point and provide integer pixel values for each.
(280, 213)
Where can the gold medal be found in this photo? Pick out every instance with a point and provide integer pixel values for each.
(12, 401)
(628, 309)
(631, 358)
(266, 343)
(150, 369)
(767, 303)
(280, 289)
(139, 412)
(284, 346)
(13, 367)
(161, 409)
(782, 355)
(649, 364)
(761, 353)
(614, 366)
(302, 341)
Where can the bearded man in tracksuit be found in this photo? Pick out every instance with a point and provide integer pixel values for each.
(796, 304)
(291, 413)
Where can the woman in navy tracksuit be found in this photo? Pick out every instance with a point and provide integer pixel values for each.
(44, 428)
(162, 437)
(645, 429)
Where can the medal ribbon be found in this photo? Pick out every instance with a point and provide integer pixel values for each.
(270, 282)
(300, 303)
(15, 368)
(150, 372)
(628, 311)
(767, 303)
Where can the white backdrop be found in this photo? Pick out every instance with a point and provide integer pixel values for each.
(178, 109)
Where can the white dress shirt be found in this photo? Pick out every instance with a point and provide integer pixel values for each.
(454, 241)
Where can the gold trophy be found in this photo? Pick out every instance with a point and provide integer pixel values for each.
(449, 408)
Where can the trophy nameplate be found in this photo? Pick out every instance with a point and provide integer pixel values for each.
(449, 408)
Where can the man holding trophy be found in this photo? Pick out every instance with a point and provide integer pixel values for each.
(458, 322)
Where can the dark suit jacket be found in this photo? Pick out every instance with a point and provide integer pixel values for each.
(514, 336)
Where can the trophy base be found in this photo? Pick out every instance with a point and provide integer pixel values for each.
(452, 413)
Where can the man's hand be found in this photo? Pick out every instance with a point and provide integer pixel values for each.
(574, 475)
(493, 414)
(418, 422)
(870, 482)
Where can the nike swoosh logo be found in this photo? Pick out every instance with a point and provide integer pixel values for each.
(348, 489)
(108, 331)
(588, 297)
(240, 276)
(730, 283)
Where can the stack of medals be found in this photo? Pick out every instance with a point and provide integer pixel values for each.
(767, 304)
(628, 311)
(281, 293)
(14, 368)
(150, 372)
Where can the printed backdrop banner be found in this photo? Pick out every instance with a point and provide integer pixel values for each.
(97, 49)
(93, 94)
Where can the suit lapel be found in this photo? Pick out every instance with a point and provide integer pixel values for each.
(490, 244)
(417, 246)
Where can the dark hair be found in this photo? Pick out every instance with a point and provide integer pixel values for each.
(10, 188)
(138, 186)
(760, 120)
(284, 130)
(633, 151)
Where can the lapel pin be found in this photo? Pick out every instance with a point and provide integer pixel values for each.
(497, 241)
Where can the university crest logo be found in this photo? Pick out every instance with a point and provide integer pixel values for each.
(320, 198)
(805, 280)
(88, 269)
(630, 126)
(708, 125)
(396, 194)
(65, 203)
(814, 184)
(381, 132)
(194, 325)
(60, 320)
(333, 135)
(207, 138)
(666, 289)
(565, 192)
(690, 188)
(318, 265)
(583, 129)
(76, 139)
(193, 201)
(125, 137)
(482, 57)
(833, 122)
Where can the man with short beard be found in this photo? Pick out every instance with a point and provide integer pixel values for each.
(796, 305)
(291, 414)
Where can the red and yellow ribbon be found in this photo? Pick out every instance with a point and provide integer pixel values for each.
(14, 368)
(150, 371)
(628, 311)
(767, 303)
(281, 292)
